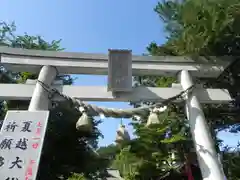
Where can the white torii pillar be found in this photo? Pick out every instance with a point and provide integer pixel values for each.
(206, 153)
(40, 97)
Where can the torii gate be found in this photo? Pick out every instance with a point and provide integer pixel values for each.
(120, 66)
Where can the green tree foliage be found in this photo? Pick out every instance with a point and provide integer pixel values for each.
(109, 152)
(77, 177)
(127, 163)
(231, 159)
(65, 150)
(201, 27)
(150, 154)
(205, 28)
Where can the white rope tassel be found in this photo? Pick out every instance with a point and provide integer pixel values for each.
(173, 156)
(84, 123)
(153, 118)
(122, 134)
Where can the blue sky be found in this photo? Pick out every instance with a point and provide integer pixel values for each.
(92, 26)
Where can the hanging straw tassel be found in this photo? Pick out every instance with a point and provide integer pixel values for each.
(153, 118)
(84, 123)
(122, 135)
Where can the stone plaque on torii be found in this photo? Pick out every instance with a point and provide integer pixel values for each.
(120, 66)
